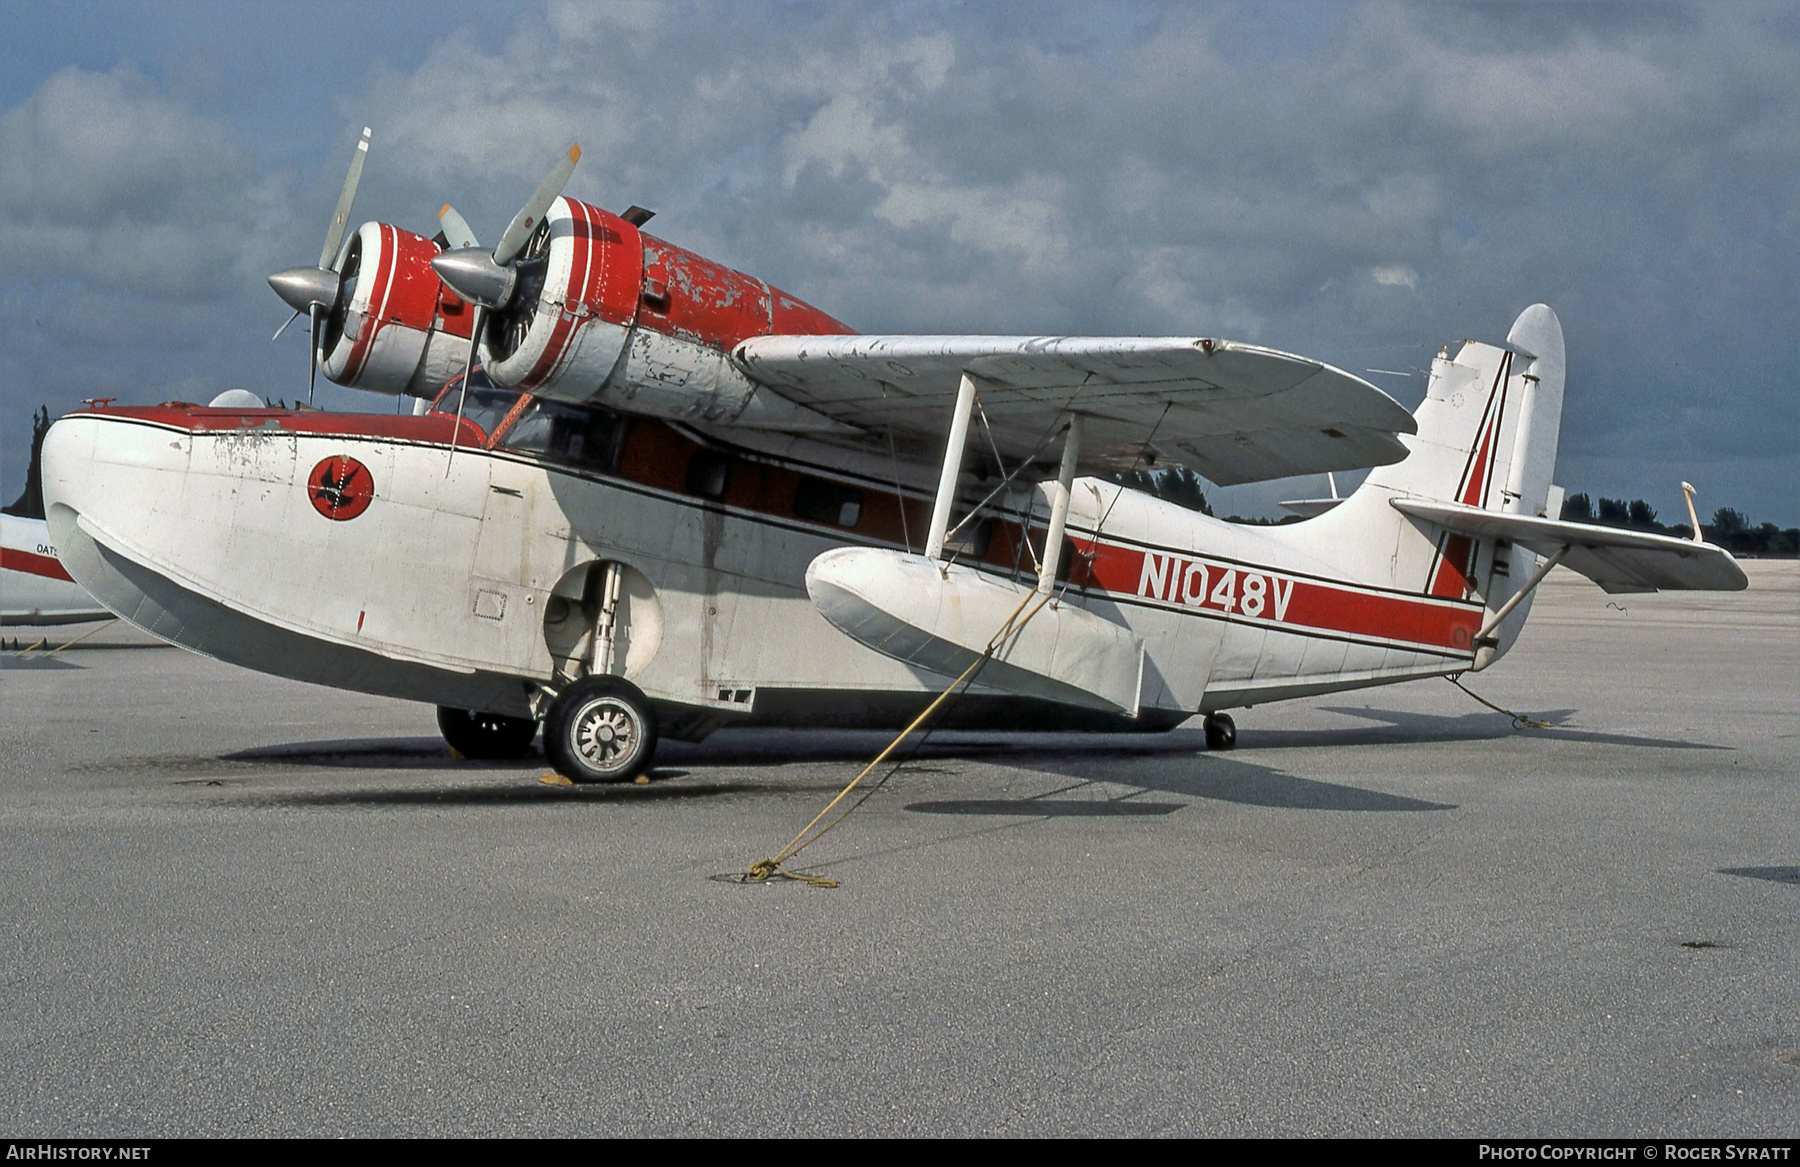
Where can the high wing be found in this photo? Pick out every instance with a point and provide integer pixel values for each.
(1617, 560)
(1232, 412)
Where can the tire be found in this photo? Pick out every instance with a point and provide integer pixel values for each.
(1221, 732)
(602, 729)
(486, 737)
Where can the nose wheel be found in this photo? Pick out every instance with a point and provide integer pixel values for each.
(1221, 732)
(601, 729)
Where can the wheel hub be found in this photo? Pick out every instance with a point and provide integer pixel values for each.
(605, 735)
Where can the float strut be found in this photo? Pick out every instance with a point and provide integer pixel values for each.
(952, 469)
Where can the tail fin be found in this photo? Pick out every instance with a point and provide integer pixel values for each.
(1489, 422)
(1487, 438)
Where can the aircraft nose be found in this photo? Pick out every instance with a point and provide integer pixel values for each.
(68, 456)
(118, 473)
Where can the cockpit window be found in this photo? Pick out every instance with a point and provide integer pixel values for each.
(488, 404)
(588, 438)
(548, 430)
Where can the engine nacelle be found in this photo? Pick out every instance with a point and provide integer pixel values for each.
(395, 328)
(603, 314)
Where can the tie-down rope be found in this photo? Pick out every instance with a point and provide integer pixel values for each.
(768, 868)
(1519, 720)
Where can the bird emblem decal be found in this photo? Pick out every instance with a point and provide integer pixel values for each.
(340, 487)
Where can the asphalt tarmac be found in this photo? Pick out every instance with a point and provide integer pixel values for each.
(232, 905)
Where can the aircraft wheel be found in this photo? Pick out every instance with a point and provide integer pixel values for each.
(601, 729)
(486, 736)
(1221, 732)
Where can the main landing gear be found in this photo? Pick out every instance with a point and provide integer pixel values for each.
(1221, 732)
(486, 737)
(601, 729)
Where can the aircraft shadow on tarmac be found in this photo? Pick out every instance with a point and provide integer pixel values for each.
(1397, 727)
(515, 793)
(1772, 874)
(9, 662)
(416, 753)
(1174, 764)
(1051, 808)
(1214, 778)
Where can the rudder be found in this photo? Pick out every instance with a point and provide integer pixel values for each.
(1487, 438)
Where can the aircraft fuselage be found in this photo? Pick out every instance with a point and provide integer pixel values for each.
(360, 551)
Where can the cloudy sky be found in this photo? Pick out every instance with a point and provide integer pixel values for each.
(1361, 183)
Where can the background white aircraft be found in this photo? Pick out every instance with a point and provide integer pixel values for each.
(35, 589)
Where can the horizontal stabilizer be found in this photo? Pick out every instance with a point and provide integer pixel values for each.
(1616, 559)
(1309, 508)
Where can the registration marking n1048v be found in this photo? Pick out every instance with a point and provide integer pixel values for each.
(1196, 584)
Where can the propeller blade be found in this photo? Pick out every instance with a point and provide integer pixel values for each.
(462, 399)
(284, 327)
(474, 347)
(312, 378)
(456, 229)
(518, 232)
(334, 234)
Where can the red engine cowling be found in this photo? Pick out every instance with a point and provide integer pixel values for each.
(605, 314)
(575, 300)
(395, 328)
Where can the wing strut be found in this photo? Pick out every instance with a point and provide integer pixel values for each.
(954, 449)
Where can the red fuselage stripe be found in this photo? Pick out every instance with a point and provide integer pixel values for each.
(1272, 598)
(31, 563)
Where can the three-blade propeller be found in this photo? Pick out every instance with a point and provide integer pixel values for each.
(486, 278)
(314, 291)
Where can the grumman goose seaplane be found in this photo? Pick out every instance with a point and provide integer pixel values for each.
(641, 495)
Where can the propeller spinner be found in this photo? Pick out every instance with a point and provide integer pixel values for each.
(314, 291)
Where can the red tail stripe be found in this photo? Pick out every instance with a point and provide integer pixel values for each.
(31, 563)
(1453, 567)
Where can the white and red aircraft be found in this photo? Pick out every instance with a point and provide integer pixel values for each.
(34, 587)
(661, 497)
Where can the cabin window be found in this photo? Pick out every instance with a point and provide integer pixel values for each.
(971, 541)
(828, 502)
(708, 474)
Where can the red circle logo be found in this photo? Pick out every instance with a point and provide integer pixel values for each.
(340, 487)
